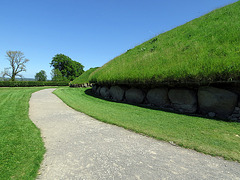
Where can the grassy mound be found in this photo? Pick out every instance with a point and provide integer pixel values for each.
(205, 49)
(84, 77)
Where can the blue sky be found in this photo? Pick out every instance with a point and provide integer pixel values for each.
(91, 32)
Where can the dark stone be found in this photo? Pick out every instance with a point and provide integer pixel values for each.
(104, 92)
(94, 88)
(211, 114)
(237, 109)
(220, 101)
(134, 95)
(235, 115)
(158, 97)
(183, 100)
(117, 93)
(98, 90)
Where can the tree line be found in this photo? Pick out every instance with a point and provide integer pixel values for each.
(64, 68)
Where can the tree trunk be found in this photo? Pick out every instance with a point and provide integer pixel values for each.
(13, 77)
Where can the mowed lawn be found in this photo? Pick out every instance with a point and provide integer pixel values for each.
(217, 138)
(21, 146)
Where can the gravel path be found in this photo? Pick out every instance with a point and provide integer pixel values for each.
(80, 147)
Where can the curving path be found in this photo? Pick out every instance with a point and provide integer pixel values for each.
(80, 147)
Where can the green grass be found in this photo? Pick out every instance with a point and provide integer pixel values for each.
(21, 146)
(205, 49)
(84, 77)
(212, 137)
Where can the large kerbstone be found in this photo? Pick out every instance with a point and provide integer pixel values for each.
(158, 96)
(220, 101)
(94, 88)
(134, 95)
(183, 100)
(98, 90)
(104, 92)
(117, 93)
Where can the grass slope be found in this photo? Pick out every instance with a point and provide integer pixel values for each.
(84, 77)
(205, 49)
(21, 146)
(212, 137)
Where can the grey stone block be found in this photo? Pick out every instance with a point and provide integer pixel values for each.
(117, 93)
(220, 101)
(104, 92)
(158, 97)
(134, 95)
(183, 100)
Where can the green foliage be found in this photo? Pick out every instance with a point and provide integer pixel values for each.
(212, 137)
(84, 77)
(21, 145)
(57, 75)
(205, 49)
(69, 68)
(41, 76)
(32, 83)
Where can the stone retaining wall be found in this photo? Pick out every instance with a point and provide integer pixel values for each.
(208, 101)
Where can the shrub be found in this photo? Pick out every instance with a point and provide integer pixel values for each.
(32, 83)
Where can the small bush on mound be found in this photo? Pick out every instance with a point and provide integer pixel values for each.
(84, 78)
(32, 83)
(205, 49)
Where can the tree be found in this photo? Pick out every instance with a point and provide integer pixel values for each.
(69, 68)
(41, 76)
(17, 62)
(57, 75)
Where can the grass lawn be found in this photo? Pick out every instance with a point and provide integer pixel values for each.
(205, 49)
(21, 146)
(212, 137)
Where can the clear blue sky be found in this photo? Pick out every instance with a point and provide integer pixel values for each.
(91, 32)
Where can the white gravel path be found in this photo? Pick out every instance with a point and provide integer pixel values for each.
(80, 147)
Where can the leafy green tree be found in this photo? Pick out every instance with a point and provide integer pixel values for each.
(17, 62)
(69, 68)
(57, 75)
(41, 76)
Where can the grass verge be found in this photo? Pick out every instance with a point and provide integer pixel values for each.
(21, 146)
(216, 138)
